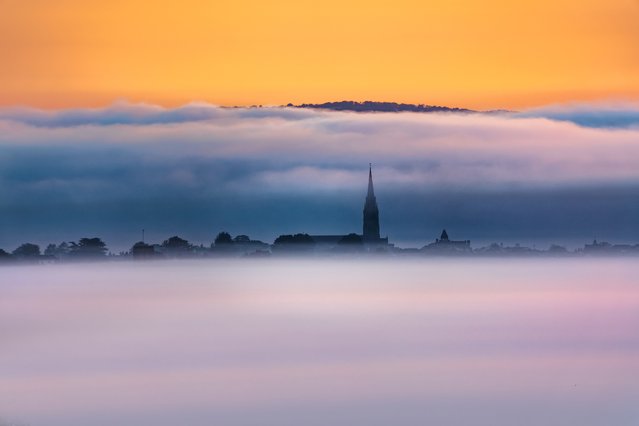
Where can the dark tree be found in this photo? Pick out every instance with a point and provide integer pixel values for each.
(176, 246)
(242, 239)
(223, 238)
(27, 251)
(142, 250)
(294, 243)
(4, 255)
(50, 250)
(59, 251)
(556, 249)
(370, 106)
(295, 239)
(176, 243)
(88, 248)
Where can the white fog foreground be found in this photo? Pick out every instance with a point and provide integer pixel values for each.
(321, 342)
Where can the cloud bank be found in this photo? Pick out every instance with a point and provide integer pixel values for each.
(197, 169)
(598, 115)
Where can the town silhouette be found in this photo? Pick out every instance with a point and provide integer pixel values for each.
(368, 242)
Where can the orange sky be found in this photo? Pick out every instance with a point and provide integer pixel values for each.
(472, 53)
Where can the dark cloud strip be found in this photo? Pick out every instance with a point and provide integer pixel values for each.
(198, 169)
(601, 115)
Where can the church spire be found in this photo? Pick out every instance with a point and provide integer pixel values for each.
(371, 191)
(371, 212)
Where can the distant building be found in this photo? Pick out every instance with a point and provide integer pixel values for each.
(607, 248)
(597, 247)
(517, 250)
(369, 239)
(371, 212)
(370, 228)
(443, 244)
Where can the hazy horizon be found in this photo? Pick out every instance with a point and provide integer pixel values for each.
(562, 174)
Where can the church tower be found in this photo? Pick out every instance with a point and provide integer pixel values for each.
(371, 212)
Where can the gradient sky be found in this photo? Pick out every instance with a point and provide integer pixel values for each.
(477, 54)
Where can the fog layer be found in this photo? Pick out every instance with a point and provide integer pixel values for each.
(277, 343)
(199, 169)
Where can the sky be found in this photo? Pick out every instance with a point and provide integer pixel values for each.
(561, 174)
(484, 54)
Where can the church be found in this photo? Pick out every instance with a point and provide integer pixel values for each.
(370, 231)
(443, 244)
(370, 237)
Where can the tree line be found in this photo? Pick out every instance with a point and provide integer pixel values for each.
(96, 248)
(173, 247)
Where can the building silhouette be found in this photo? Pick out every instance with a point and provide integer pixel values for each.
(370, 226)
(444, 244)
(371, 212)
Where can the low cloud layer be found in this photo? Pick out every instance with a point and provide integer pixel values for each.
(598, 115)
(197, 169)
(315, 343)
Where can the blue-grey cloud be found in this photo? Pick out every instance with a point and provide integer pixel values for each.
(123, 112)
(598, 115)
(199, 169)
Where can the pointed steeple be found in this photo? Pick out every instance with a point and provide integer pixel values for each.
(371, 212)
(371, 191)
